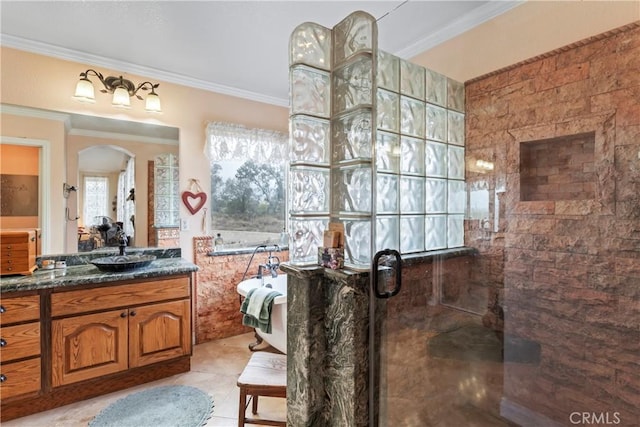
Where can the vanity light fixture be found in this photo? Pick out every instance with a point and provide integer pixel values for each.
(121, 88)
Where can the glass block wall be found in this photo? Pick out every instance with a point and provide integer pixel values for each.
(166, 190)
(310, 140)
(377, 143)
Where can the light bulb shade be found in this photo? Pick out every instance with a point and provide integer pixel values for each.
(121, 98)
(152, 103)
(84, 91)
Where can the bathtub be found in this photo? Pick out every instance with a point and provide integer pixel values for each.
(278, 336)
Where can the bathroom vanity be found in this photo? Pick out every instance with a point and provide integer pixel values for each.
(75, 333)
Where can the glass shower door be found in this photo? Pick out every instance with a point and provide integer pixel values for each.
(433, 364)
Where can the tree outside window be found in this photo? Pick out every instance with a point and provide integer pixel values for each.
(248, 184)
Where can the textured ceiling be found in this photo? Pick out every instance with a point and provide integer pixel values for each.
(234, 47)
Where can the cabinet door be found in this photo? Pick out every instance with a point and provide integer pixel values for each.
(158, 332)
(89, 346)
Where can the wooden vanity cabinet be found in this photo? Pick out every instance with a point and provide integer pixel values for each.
(20, 362)
(73, 343)
(91, 339)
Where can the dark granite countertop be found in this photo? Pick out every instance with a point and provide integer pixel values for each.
(407, 260)
(83, 273)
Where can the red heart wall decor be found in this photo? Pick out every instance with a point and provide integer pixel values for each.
(193, 202)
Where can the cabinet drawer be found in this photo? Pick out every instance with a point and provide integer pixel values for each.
(19, 309)
(19, 341)
(15, 258)
(14, 265)
(14, 250)
(13, 237)
(87, 300)
(19, 377)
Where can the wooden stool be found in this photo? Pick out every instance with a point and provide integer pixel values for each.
(264, 375)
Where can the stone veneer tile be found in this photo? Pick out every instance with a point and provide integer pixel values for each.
(532, 70)
(575, 207)
(217, 302)
(562, 76)
(535, 208)
(573, 286)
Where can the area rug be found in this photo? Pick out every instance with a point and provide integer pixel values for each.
(170, 406)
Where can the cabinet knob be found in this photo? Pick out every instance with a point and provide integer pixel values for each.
(133, 313)
(3, 342)
(8, 246)
(9, 269)
(123, 314)
(2, 309)
(3, 378)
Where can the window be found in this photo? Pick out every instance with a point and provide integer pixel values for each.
(96, 199)
(248, 184)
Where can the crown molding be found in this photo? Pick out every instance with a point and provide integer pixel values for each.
(126, 67)
(479, 15)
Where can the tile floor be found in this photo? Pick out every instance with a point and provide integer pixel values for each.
(215, 368)
(428, 380)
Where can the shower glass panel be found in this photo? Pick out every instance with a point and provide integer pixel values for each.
(512, 311)
(524, 309)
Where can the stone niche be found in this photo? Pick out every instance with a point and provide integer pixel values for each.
(559, 168)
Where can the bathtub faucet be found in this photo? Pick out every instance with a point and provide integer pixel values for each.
(272, 265)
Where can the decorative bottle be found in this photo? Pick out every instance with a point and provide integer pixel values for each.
(284, 238)
(218, 243)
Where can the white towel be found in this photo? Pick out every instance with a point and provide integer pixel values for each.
(257, 300)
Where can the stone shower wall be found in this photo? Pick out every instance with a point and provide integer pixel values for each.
(558, 169)
(570, 268)
(217, 303)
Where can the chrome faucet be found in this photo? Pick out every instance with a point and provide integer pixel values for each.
(272, 265)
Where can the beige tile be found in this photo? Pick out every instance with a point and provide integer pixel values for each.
(215, 367)
(458, 392)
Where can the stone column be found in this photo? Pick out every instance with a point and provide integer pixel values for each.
(305, 346)
(327, 348)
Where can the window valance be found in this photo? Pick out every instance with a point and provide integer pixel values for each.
(228, 141)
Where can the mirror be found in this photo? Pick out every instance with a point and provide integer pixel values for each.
(106, 199)
(127, 178)
(57, 146)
